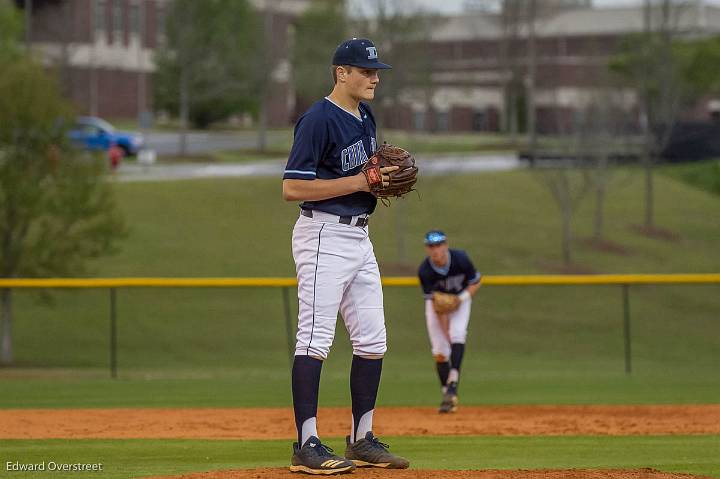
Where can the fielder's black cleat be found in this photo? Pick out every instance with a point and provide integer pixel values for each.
(370, 452)
(316, 458)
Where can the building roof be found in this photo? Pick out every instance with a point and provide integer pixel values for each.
(466, 27)
(291, 7)
(581, 21)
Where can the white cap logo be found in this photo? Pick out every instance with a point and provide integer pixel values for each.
(372, 53)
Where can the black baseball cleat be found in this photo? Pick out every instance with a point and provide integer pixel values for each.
(370, 452)
(316, 458)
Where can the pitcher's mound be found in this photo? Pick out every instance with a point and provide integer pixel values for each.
(277, 473)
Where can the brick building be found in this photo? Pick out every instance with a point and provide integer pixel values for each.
(573, 45)
(103, 51)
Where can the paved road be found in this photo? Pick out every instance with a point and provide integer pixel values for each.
(428, 166)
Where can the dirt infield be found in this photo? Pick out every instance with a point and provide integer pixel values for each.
(277, 473)
(278, 423)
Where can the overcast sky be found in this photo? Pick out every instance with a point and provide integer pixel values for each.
(455, 6)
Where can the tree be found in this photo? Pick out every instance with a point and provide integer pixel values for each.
(10, 32)
(604, 131)
(651, 65)
(567, 179)
(207, 69)
(56, 211)
(699, 59)
(601, 127)
(585, 149)
(511, 20)
(401, 31)
(317, 33)
(568, 186)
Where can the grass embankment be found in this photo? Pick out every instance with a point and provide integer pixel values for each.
(526, 344)
(701, 174)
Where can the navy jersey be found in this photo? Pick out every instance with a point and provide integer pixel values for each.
(453, 278)
(330, 142)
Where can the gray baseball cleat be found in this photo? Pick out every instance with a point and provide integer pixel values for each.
(370, 452)
(449, 404)
(316, 458)
(450, 399)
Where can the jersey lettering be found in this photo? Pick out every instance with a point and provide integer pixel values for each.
(353, 156)
(454, 283)
(326, 146)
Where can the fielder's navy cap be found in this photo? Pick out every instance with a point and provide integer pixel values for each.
(358, 52)
(434, 237)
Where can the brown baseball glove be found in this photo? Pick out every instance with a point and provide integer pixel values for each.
(401, 181)
(444, 303)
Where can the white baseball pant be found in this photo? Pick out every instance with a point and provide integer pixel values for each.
(458, 320)
(337, 271)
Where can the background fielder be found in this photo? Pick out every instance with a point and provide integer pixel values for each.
(335, 261)
(447, 271)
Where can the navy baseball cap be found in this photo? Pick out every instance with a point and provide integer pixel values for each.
(358, 52)
(434, 237)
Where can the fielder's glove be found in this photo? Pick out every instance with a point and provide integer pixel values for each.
(401, 181)
(444, 303)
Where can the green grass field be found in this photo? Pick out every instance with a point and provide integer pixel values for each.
(527, 345)
(134, 458)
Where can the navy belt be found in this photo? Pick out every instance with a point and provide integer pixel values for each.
(346, 220)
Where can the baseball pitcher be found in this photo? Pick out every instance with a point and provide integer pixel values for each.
(338, 172)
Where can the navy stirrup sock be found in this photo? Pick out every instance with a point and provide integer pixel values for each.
(456, 355)
(443, 369)
(364, 383)
(305, 388)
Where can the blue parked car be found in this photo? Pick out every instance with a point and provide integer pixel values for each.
(94, 133)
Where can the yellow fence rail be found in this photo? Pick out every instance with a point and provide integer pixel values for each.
(519, 280)
(113, 284)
